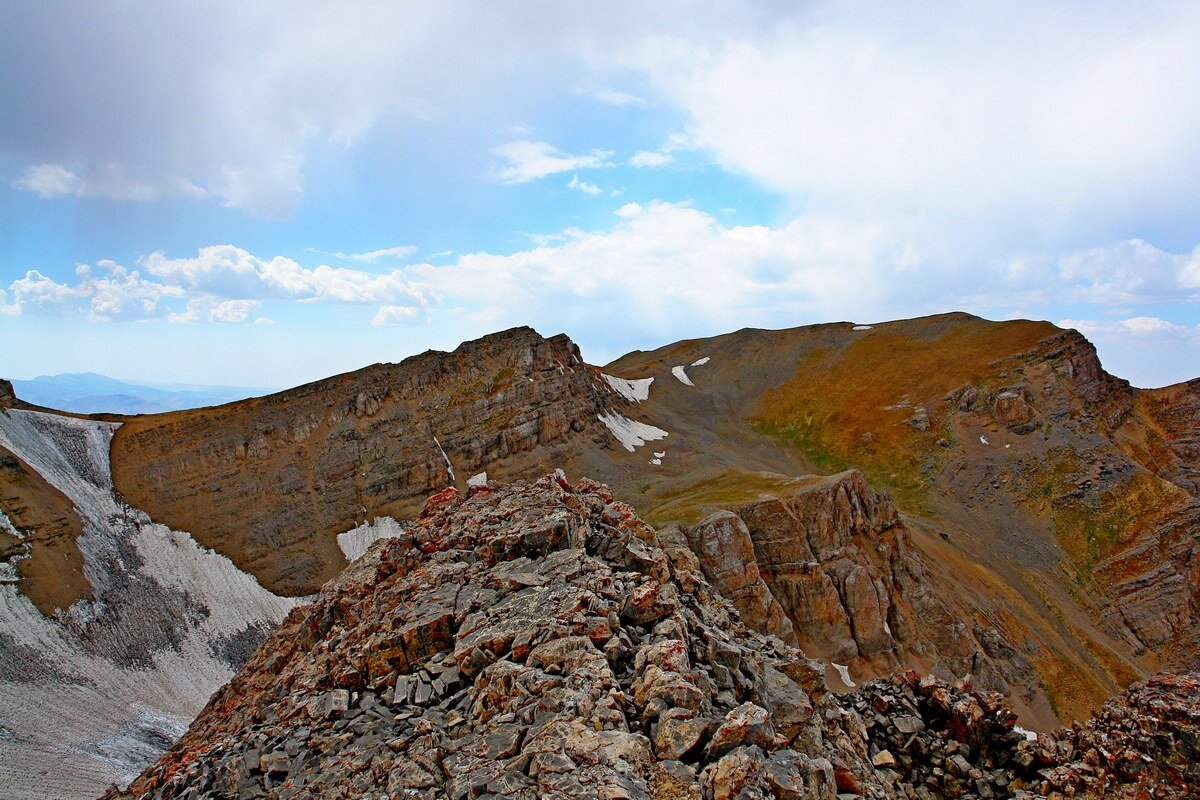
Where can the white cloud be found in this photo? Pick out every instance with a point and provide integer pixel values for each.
(403, 251)
(393, 316)
(1134, 329)
(527, 161)
(104, 180)
(620, 99)
(648, 158)
(48, 180)
(664, 266)
(222, 283)
(115, 294)
(1026, 121)
(8, 309)
(206, 310)
(584, 186)
(231, 272)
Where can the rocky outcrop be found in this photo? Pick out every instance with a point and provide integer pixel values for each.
(7, 395)
(1143, 743)
(270, 481)
(1153, 586)
(1011, 406)
(534, 641)
(521, 641)
(722, 543)
(839, 560)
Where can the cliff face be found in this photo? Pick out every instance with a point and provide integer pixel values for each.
(269, 482)
(837, 559)
(38, 531)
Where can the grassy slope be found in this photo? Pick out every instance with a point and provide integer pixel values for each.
(840, 407)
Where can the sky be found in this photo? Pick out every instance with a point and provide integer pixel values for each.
(264, 194)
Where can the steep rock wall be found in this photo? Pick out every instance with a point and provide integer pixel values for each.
(269, 482)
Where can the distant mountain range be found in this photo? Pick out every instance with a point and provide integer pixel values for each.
(90, 393)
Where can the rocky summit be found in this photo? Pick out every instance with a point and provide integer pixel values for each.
(539, 640)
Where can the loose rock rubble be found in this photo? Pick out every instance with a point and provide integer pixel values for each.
(928, 739)
(1142, 744)
(540, 641)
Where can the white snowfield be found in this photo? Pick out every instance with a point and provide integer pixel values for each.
(700, 362)
(631, 433)
(357, 541)
(862, 327)
(635, 390)
(680, 373)
(92, 696)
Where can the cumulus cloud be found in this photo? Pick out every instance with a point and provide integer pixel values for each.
(231, 272)
(1032, 120)
(584, 186)
(222, 283)
(527, 161)
(395, 316)
(207, 310)
(231, 99)
(663, 266)
(116, 293)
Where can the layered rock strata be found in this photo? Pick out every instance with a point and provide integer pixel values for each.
(270, 481)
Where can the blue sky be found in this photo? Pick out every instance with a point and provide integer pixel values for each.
(243, 194)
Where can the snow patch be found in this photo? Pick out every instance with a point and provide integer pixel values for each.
(862, 327)
(660, 455)
(357, 541)
(187, 615)
(1030, 736)
(656, 461)
(982, 439)
(679, 373)
(6, 526)
(631, 433)
(635, 390)
(700, 362)
(477, 480)
(844, 673)
(449, 466)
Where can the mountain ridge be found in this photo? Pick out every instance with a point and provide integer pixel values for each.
(1042, 524)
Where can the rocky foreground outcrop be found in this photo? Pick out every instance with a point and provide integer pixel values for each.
(536, 641)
